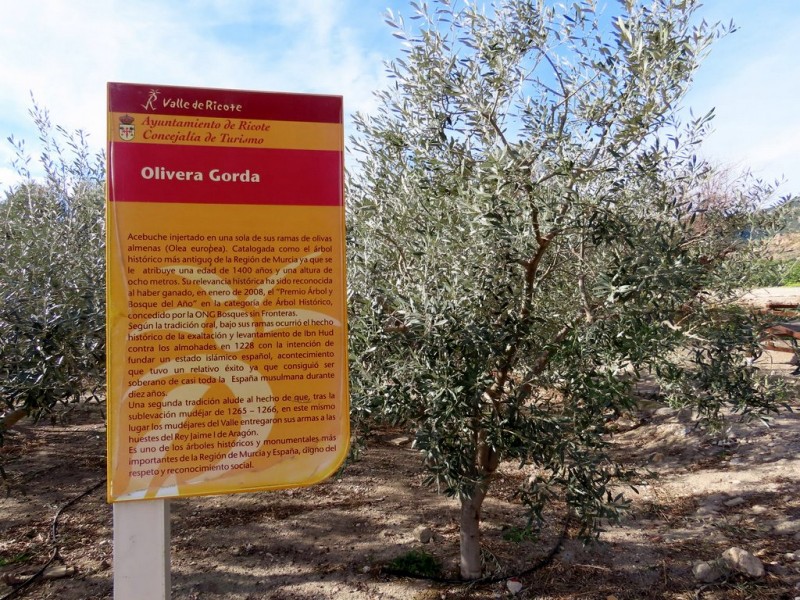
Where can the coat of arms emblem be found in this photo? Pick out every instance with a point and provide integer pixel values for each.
(126, 129)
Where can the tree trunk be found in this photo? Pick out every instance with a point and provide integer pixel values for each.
(10, 419)
(471, 533)
(486, 462)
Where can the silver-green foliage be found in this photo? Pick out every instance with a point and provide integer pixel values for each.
(530, 229)
(52, 274)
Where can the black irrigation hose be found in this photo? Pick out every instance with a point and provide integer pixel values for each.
(540, 564)
(55, 555)
(698, 594)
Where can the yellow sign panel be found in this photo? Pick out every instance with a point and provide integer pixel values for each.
(227, 367)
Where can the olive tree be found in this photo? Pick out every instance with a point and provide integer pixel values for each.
(528, 234)
(52, 275)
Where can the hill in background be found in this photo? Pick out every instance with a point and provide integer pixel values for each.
(785, 246)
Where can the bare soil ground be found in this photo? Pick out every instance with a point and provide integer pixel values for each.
(335, 540)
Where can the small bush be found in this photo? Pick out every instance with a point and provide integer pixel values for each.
(416, 563)
(520, 534)
(791, 276)
(52, 275)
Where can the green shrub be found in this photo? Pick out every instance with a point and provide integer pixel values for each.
(52, 272)
(791, 274)
(415, 563)
(520, 534)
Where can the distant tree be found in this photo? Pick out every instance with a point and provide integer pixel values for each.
(528, 233)
(52, 276)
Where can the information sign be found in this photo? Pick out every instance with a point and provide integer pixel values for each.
(227, 367)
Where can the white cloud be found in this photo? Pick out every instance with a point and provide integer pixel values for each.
(65, 52)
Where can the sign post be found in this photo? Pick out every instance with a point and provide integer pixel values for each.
(227, 341)
(141, 550)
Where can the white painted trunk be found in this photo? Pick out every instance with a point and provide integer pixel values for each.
(471, 534)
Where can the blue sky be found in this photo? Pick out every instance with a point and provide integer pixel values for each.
(64, 53)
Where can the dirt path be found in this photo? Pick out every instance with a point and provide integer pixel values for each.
(333, 540)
